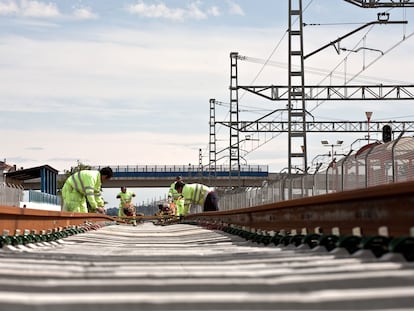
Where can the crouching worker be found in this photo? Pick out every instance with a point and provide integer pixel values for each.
(175, 199)
(126, 207)
(83, 189)
(197, 194)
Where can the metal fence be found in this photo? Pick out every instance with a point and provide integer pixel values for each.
(10, 195)
(373, 164)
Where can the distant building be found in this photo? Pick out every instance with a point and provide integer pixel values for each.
(5, 168)
(14, 182)
(10, 193)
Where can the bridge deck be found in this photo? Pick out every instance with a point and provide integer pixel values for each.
(184, 267)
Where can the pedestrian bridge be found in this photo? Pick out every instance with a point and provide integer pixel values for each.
(163, 175)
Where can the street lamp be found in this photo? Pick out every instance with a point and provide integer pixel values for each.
(368, 115)
(327, 144)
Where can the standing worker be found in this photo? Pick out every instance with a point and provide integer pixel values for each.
(126, 207)
(176, 198)
(198, 194)
(83, 186)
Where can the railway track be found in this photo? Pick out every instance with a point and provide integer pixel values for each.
(378, 219)
(342, 251)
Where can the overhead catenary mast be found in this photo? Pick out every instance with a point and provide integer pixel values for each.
(294, 93)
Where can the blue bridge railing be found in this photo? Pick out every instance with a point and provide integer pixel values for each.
(170, 171)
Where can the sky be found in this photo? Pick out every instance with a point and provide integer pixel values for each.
(129, 82)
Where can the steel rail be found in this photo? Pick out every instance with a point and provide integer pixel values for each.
(14, 219)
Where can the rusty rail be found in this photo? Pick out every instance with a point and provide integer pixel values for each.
(15, 218)
(386, 209)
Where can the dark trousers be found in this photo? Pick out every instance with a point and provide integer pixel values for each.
(211, 202)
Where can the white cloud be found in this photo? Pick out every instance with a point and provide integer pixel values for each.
(156, 11)
(214, 11)
(37, 9)
(84, 13)
(8, 8)
(234, 8)
(30, 8)
(193, 11)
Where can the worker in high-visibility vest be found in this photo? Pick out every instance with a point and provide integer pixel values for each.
(197, 195)
(176, 199)
(126, 207)
(81, 192)
(125, 198)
